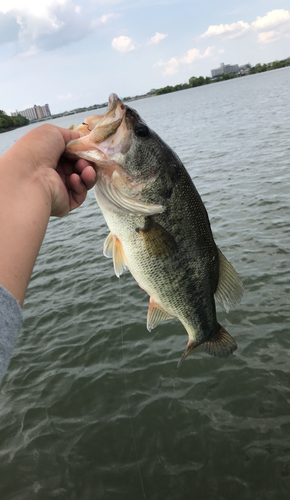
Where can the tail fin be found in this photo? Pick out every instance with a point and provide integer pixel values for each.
(221, 344)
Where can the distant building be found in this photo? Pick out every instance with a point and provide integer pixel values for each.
(35, 113)
(244, 69)
(230, 69)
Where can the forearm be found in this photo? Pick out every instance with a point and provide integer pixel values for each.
(24, 214)
(35, 182)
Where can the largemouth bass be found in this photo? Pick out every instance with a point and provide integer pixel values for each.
(159, 227)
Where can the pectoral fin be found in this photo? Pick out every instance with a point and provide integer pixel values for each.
(229, 291)
(113, 248)
(109, 246)
(158, 241)
(118, 257)
(156, 315)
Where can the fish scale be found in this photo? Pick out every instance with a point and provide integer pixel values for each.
(159, 227)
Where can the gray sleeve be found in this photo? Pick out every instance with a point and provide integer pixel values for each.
(10, 323)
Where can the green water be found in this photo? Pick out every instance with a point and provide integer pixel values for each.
(93, 406)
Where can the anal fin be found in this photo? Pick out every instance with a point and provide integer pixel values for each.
(156, 315)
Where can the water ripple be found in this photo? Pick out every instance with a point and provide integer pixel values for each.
(86, 371)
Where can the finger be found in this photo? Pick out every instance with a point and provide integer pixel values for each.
(77, 192)
(89, 176)
(76, 184)
(82, 164)
(69, 135)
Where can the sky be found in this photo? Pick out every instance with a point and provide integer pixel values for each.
(74, 53)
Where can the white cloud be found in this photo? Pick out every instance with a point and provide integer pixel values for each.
(195, 54)
(34, 17)
(272, 18)
(192, 55)
(104, 19)
(65, 97)
(267, 36)
(31, 52)
(172, 66)
(156, 38)
(35, 7)
(234, 29)
(48, 23)
(123, 44)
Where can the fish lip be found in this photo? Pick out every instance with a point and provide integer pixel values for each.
(111, 127)
(113, 97)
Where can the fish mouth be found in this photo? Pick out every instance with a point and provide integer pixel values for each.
(102, 136)
(105, 144)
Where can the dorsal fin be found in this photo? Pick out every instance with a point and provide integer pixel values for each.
(109, 246)
(155, 315)
(229, 291)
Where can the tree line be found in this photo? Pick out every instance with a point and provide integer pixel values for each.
(198, 81)
(192, 82)
(10, 122)
(259, 68)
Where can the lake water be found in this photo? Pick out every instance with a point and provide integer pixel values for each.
(93, 406)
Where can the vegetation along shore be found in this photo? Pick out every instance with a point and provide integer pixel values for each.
(12, 122)
(198, 81)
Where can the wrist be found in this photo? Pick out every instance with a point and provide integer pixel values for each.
(25, 206)
(27, 178)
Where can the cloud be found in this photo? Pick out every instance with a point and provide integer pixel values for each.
(123, 44)
(272, 19)
(267, 36)
(65, 97)
(172, 66)
(9, 28)
(31, 52)
(34, 18)
(195, 54)
(49, 24)
(156, 38)
(192, 55)
(104, 19)
(39, 9)
(234, 29)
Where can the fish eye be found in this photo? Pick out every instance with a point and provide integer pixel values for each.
(141, 130)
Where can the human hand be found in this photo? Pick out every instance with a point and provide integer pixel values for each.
(36, 181)
(65, 182)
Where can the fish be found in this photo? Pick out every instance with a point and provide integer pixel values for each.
(159, 226)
